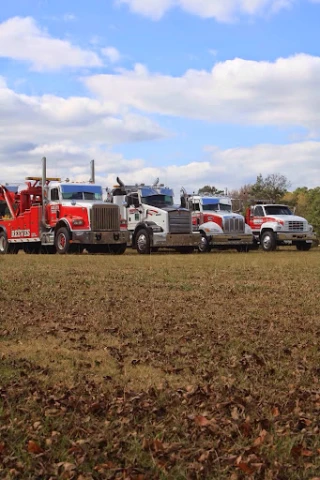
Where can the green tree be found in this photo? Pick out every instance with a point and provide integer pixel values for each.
(271, 188)
(210, 189)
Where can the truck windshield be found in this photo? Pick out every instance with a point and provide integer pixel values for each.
(158, 200)
(81, 192)
(278, 210)
(214, 207)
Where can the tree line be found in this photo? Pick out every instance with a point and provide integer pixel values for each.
(275, 188)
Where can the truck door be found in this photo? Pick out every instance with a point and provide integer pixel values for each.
(258, 217)
(134, 215)
(197, 215)
(53, 207)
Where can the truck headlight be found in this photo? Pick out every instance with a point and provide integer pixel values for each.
(156, 228)
(310, 228)
(77, 222)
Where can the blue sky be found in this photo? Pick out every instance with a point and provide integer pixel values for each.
(193, 91)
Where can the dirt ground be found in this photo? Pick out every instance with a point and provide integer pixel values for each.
(166, 366)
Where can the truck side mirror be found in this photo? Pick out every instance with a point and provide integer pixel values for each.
(183, 202)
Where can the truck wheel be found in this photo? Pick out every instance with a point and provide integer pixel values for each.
(62, 241)
(204, 245)
(118, 249)
(4, 244)
(268, 241)
(143, 242)
(303, 246)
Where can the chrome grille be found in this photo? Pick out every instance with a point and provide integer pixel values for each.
(105, 217)
(296, 226)
(233, 225)
(180, 221)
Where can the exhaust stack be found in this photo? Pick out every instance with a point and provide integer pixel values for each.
(43, 185)
(93, 177)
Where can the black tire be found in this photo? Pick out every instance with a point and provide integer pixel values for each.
(143, 242)
(204, 246)
(62, 241)
(6, 247)
(304, 246)
(118, 249)
(4, 244)
(185, 249)
(268, 241)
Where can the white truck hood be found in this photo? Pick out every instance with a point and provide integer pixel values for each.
(286, 218)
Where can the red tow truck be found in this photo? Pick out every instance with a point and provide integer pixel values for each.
(54, 216)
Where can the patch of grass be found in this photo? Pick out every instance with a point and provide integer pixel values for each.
(163, 367)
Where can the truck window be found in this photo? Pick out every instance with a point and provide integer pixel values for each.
(158, 200)
(278, 210)
(54, 194)
(81, 192)
(258, 211)
(196, 207)
(209, 207)
(133, 199)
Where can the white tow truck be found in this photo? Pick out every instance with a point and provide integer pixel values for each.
(153, 220)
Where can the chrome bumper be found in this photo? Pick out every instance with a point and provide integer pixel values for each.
(176, 240)
(100, 238)
(233, 240)
(296, 237)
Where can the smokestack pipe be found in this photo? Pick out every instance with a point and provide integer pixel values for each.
(93, 178)
(44, 181)
(121, 183)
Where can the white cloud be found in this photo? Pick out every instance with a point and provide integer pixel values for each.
(229, 168)
(69, 131)
(284, 92)
(235, 167)
(112, 54)
(221, 10)
(22, 39)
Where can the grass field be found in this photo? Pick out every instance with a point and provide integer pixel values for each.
(160, 367)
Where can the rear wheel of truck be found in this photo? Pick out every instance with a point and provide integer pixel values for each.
(204, 245)
(62, 241)
(268, 241)
(4, 244)
(118, 249)
(143, 242)
(303, 246)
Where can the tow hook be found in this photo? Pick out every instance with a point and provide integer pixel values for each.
(116, 236)
(98, 237)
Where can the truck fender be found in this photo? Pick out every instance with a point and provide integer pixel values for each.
(269, 226)
(247, 229)
(210, 228)
(63, 222)
(143, 225)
